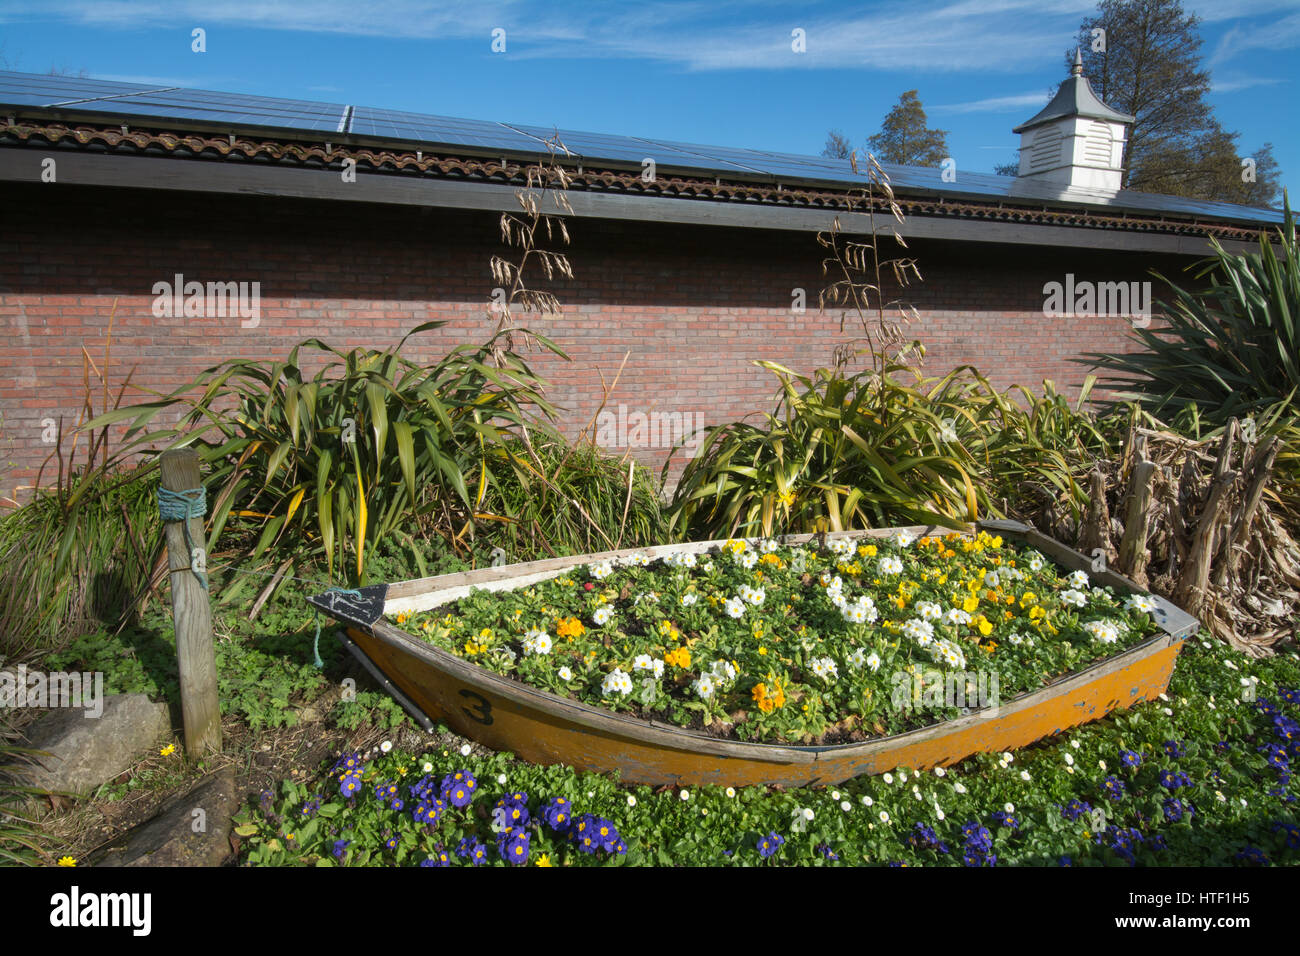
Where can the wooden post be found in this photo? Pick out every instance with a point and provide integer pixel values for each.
(191, 613)
(1137, 522)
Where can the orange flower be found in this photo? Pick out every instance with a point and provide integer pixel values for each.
(681, 657)
(569, 627)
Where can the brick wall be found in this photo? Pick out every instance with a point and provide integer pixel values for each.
(695, 306)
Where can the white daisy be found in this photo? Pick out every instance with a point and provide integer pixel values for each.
(1079, 579)
(704, 686)
(464, 750)
(386, 746)
(602, 614)
(689, 598)
(735, 607)
(616, 683)
(566, 674)
(873, 661)
(890, 565)
(1074, 598)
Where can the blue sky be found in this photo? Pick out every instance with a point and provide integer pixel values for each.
(705, 71)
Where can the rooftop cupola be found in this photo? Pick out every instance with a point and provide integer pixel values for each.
(1076, 141)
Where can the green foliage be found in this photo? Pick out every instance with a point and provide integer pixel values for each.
(21, 841)
(370, 446)
(904, 138)
(1237, 799)
(1232, 344)
(567, 498)
(866, 450)
(76, 556)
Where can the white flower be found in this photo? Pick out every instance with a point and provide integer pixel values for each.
(902, 777)
(904, 538)
(825, 668)
(689, 598)
(1169, 712)
(1009, 758)
(704, 686)
(928, 610)
(1009, 807)
(846, 806)
(1074, 598)
(735, 607)
(602, 614)
(1219, 794)
(938, 814)
(857, 657)
(1231, 666)
(840, 546)
(888, 778)
(1074, 744)
(853, 613)
(867, 801)
(873, 661)
(1079, 579)
(752, 595)
(566, 674)
(616, 683)
(960, 788)
(631, 800)
(537, 642)
(884, 817)
(940, 772)
(748, 559)
(808, 814)
(600, 570)
(1024, 775)
(956, 615)
(638, 560)
(731, 791)
(386, 746)
(428, 767)
(1108, 632)
(1035, 562)
(1069, 760)
(464, 750)
(722, 672)
(1101, 764)
(680, 559)
(501, 779)
(686, 795)
(890, 565)
(918, 630)
(768, 545)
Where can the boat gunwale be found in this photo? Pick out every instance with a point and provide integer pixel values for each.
(672, 736)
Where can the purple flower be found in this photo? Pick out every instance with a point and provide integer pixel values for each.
(340, 848)
(458, 788)
(516, 848)
(1174, 748)
(1173, 779)
(349, 784)
(558, 814)
(1075, 809)
(1114, 787)
(769, 844)
(1130, 758)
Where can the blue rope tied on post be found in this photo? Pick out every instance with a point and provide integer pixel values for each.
(181, 506)
(315, 647)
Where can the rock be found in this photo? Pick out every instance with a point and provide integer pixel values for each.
(192, 829)
(84, 752)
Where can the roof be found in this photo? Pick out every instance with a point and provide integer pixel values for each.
(1075, 98)
(178, 122)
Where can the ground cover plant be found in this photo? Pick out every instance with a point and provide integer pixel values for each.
(1199, 777)
(806, 643)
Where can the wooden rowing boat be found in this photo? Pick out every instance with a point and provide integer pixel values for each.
(541, 727)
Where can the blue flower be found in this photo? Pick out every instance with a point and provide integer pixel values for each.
(769, 844)
(1292, 833)
(1006, 819)
(1114, 787)
(923, 837)
(1291, 696)
(390, 843)
(558, 814)
(1174, 748)
(349, 784)
(1277, 757)
(516, 848)
(458, 788)
(1253, 856)
(1065, 861)
(1075, 809)
(826, 851)
(397, 804)
(1130, 758)
(1175, 809)
(340, 848)
(1173, 779)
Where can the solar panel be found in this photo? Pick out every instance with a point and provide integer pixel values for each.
(135, 101)
(445, 130)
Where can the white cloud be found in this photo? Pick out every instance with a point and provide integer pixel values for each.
(995, 104)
